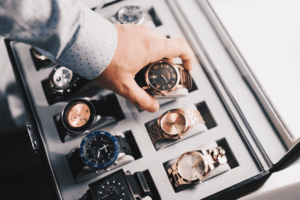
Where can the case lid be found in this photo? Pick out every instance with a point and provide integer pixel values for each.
(262, 38)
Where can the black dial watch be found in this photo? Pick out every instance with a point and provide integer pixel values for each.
(61, 83)
(163, 77)
(98, 151)
(80, 114)
(120, 185)
(129, 15)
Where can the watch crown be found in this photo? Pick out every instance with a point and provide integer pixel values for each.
(116, 163)
(163, 94)
(107, 169)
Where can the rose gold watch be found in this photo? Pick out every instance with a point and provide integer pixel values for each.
(163, 77)
(174, 124)
(193, 166)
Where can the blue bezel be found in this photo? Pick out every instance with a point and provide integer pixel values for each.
(104, 165)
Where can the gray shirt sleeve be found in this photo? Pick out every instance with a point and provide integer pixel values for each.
(65, 31)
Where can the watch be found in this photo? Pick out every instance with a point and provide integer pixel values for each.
(120, 185)
(39, 60)
(129, 15)
(61, 83)
(162, 77)
(98, 151)
(174, 124)
(81, 113)
(193, 166)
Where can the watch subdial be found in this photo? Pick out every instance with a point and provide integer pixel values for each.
(78, 115)
(62, 78)
(99, 149)
(191, 167)
(130, 15)
(112, 190)
(173, 123)
(162, 76)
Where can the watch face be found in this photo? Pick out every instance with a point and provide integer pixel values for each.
(78, 114)
(162, 76)
(130, 15)
(191, 167)
(62, 78)
(112, 190)
(173, 123)
(99, 149)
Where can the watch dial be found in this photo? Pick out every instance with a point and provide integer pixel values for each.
(173, 123)
(99, 149)
(62, 78)
(78, 115)
(112, 190)
(129, 15)
(162, 76)
(191, 167)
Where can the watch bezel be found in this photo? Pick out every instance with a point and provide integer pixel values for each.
(60, 91)
(158, 91)
(139, 22)
(87, 124)
(197, 180)
(103, 165)
(180, 134)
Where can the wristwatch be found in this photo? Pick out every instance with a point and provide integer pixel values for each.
(193, 166)
(120, 185)
(162, 77)
(129, 15)
(39, 59)
(174, 124)
(61, 83)
(80, 114)
(98, 151)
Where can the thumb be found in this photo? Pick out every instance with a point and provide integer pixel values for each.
(139, 97)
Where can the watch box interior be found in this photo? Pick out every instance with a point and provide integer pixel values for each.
(234, 118)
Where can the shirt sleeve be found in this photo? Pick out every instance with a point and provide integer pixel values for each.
(67, 32)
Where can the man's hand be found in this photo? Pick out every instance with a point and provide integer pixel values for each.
(138, 46)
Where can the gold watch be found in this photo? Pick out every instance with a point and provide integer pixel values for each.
(163, 77)
(174, 124)
(193, 166)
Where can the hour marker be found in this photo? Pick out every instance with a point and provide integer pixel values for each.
(153, 76)
(157, 86)
(151, 71)
(167, 66)
(163, 87)
(107, 183)
(169, 85)
(161, 65)
(95, 139)
(113, 181)
(118, 183)
(171, 70)
(153, 82)
(155, 67)
(173, 75)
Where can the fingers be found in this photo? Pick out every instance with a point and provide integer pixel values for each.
(171, 48)
(138, 97)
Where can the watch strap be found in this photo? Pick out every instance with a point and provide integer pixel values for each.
(138, 184)
(75, 162)
(124, 145)
(217, 156)
(140, 77)
(194, 116)
(156, 133)
(185, 77)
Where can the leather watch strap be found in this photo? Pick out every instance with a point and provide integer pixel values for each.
(185, 77)
(124, 146)
(156, 134)
(194, 116)
(140, 77)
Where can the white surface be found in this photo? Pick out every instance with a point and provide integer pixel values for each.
(267, 33)
(284, 184)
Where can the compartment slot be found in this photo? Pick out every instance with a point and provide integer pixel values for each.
(210, 122)
(151, 185)
(231, 159)
(154, 17)
(194, 87)
(133, 145)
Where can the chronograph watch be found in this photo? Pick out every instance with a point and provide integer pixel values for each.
(163, 77)
(98, 151)
(174, 124)
(193, 166)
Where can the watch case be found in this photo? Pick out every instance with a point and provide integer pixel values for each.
(228, 100)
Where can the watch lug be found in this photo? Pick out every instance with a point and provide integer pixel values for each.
(107, 169)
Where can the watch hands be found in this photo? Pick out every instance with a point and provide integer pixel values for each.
(82, 117)
(195, 163)
(104, 147)
(164, 77)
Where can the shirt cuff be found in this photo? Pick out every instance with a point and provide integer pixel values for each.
(94, 48)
